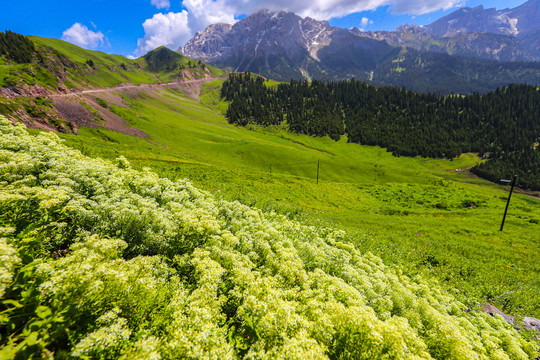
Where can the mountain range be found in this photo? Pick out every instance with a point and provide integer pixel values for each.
(471, 49)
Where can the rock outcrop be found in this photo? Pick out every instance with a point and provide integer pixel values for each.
(527, 323)
(519, 22)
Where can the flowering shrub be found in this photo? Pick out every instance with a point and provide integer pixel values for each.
(8, 259)
(102, 261)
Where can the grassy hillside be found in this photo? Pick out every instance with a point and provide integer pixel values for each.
(102, 261)
(429, 216)
(58, 67)
(57, 63)
(432, 227)
(94, 68)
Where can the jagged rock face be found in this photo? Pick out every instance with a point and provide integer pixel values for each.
(284, 45)
(266, 34)
(522, 22)
(488, 46)
(207, 43)
(476, 19)
(405, 35)
(531, 42)
(518, 21)
(477, 44)
(258, 37)
(527, 16)
(505, 35)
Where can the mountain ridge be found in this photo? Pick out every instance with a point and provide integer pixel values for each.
(514, 25)
(281, 45)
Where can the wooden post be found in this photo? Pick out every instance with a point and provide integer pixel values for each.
(508, 201)
(317, 171)
(270, 168)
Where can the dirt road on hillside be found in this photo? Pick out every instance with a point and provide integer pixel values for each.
(192, 88)
(82, 109)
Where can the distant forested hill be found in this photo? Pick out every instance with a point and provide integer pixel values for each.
(503, 125)
(446, 74)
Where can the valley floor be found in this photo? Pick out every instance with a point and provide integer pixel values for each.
(429, 217)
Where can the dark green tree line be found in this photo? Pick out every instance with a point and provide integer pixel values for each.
(505, 124)
(16, 47)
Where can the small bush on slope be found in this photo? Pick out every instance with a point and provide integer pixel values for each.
(102, 261)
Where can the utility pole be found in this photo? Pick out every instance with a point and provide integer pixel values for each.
(508, 201)
(317, 171)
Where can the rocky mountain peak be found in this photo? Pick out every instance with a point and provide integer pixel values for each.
(282, 45)
(262, 34)
(411, 27)
(527, 17)
(468, 20)
(519, 21)
(207, 43)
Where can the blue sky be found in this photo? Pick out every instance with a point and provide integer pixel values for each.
(136, 26)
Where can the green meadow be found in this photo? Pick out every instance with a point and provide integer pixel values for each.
(429, 217)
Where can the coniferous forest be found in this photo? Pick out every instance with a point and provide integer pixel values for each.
(16, 47)
(503, 125)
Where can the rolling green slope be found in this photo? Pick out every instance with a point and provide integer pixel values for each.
(103, 261)
(430, 219)
(59, 64)
(107, 70)
(429, 216)
(55, 67)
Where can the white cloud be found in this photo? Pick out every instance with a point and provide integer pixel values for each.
(202, 13)
(364, 22)
(420, 7)
(318, 9)
(169, 30)
(161, 4)
(174, 29)
(80, 35)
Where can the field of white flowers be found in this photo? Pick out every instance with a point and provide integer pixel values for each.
(98, 260)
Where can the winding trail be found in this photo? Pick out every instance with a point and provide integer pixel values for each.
(69, 106)
(192, 88)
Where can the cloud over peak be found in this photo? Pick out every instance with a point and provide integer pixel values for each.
(169, 30)
(175, 29)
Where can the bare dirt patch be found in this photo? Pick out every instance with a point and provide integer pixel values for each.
(24, 90)
(72, 111)
(68, 105)
(112, 121)
(33, 123)
(192, 88)
(38, 124)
